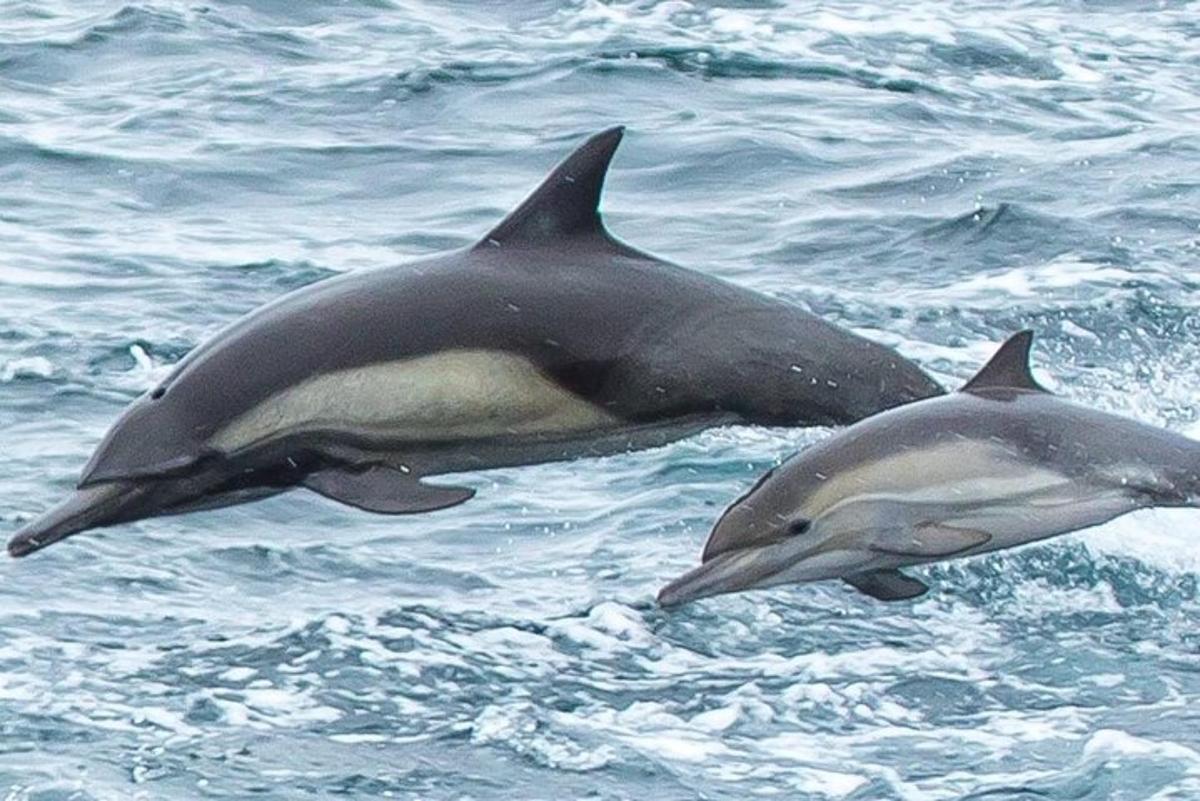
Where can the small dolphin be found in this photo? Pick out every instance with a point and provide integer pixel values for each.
(549, 339)
(998, 464)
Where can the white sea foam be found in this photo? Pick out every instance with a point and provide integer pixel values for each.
(1037, 284)
(27, 367)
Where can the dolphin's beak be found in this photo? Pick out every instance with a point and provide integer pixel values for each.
(96, 505)
(731, 571)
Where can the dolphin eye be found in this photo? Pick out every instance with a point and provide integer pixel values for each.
(158, 393)
(798, 527)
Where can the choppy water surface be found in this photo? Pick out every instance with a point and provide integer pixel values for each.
(933, 178)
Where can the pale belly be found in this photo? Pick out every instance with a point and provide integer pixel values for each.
(969, 485)
(447, 397)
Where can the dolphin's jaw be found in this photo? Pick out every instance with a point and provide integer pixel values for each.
(714, 577)
(89, 507)
(760, 567)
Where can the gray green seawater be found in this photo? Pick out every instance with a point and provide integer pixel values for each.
(933, 175)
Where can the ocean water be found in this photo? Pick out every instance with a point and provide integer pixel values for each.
(933, 177)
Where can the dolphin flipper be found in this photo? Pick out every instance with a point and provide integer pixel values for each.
(383, 489)
(887, 585)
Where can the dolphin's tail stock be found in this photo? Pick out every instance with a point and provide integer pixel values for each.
(92, 506)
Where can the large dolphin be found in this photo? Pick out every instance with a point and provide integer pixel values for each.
(998, 464)
(549, 339)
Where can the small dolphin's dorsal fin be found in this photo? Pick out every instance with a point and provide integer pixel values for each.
(566, 204)
(1008, 368)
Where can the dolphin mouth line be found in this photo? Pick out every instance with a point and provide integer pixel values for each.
(95, 475)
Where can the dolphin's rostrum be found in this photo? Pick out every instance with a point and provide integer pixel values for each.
(549, 339)
(998, 464)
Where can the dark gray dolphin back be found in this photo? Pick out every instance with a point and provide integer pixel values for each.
(164, 431)
(643, 339)
(1154, 462)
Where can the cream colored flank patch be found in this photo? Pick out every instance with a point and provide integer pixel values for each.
(949, 472)
(453, 395)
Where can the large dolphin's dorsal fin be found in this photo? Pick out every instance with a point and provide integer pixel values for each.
(566, 204)
(1008, 368)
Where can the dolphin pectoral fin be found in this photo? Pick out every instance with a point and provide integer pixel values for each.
(383, 489)
(887, 585)
(930, 541)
